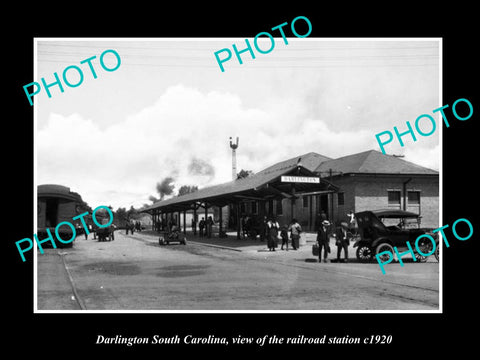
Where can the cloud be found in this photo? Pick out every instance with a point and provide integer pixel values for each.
(201, 167)
(185, 135)
(423, 156)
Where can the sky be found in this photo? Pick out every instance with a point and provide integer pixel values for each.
(168, 110)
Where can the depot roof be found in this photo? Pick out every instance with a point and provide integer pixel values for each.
(372, 162)
(260, 186)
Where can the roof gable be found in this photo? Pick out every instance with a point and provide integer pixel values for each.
(372, 162)
(309, 161)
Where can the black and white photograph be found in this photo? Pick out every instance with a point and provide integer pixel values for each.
(223, 187)
(290, 180)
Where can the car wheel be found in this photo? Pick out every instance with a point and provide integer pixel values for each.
(384, 247)
(420, 258)
(437, 253)
(161, 240)
(426, 248)
(364, 253)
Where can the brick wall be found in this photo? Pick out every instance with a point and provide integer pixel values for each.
(372, 193)
(366, 193)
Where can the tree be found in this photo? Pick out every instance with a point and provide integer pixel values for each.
(120, 215)
(187, 189)
(131, 212)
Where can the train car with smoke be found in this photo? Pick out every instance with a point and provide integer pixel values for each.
(55, 204)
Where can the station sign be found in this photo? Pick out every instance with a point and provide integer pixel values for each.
(301, 179)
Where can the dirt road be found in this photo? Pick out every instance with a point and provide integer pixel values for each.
(135, 273)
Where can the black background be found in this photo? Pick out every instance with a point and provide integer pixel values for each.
(61, 335)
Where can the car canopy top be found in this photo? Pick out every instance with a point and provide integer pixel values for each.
(372, 218)
(394, 213)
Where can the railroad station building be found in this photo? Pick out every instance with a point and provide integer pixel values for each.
(305, 186)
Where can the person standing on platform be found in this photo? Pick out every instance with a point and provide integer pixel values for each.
(201, 226)
(351, 220)
(245, 222)
(272, 240)
(323, 241)
(296, 230)
(194, 229)
(249, 227)
(127, 226)
(209, 226)
(284, 236)
(342, 241)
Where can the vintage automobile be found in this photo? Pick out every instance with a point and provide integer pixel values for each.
(381, 230)
(173, 236)
(104, 233)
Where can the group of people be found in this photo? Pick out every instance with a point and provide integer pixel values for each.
(273, 229)
(269, 229)
(342, 234)
(342, 240)
(132, 226)
(205, 227)
(325, 231)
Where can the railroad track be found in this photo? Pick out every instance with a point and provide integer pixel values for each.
(77, 297)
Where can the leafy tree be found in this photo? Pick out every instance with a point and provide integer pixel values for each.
(120, 215)
(131, 212)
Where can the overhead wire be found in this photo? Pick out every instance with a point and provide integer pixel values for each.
(357, 56)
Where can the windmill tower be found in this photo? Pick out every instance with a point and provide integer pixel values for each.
(234, 158)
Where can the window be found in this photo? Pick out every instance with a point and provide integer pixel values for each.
(413, 197)
(305, 201)
(254, 207)
(394, 197)
(270, 207)
(279, 209)
(341, 198)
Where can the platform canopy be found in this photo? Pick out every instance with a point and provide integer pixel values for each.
(286, 180)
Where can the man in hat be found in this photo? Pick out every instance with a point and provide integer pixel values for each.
(323, 240)
(342, 240)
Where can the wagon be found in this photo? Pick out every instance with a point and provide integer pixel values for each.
(382, 230)
(174, 236)
(105, 234)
